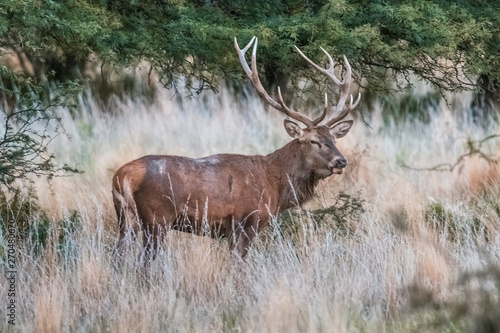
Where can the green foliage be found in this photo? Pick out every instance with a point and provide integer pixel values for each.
(475, 306)
(39, 232)
(487, 202)
(52, 33)
(31, 221)
(339, 217)
(231, 320)
(445, 42)
(457, 225)
(34, 229)
(410, 107)
(67, 246)
(400, 220)
(346, 208)
(480, 308)
(29, 125)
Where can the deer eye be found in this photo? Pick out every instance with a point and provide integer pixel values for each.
(316, 143)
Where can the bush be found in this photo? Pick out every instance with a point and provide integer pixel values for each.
(34, 229)
(455, 223)
(32, 223)
(28, 125)
(338, 217)
(474, 308)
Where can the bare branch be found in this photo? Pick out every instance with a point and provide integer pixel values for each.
(474, 149)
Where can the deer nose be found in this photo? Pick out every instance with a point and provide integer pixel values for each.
(341, 163)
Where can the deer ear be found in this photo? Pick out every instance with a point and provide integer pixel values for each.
(293, 129)
(341, 129)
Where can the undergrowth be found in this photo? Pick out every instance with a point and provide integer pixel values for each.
(391, 249)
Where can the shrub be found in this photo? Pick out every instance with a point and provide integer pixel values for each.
(34, 229)
(338, 217)
(456, 223)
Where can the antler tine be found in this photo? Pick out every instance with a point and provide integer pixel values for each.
(328, 72)
(241, 54)
(344, 87)
(252, 73)
(323, 115)
(256, 80)
(344, 112)
(340, 110)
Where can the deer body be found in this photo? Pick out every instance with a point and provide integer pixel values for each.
(229, 195)
(224, 195)
(202, 196)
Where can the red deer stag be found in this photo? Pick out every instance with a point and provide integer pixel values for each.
(231, 195)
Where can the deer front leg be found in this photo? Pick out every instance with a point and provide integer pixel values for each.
(242, 236)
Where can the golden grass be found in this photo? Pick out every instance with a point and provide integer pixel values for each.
(317, 280)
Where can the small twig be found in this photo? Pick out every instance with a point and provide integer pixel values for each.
(363, 118)
(474, 148)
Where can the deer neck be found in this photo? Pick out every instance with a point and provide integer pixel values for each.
(288, 174)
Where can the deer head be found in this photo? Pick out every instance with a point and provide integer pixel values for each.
(316, 141)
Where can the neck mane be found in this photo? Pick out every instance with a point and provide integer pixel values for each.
(287, 172)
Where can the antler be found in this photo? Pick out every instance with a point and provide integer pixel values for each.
(254, 77)
(341, 111)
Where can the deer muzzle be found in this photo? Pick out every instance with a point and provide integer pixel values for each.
(338, 164)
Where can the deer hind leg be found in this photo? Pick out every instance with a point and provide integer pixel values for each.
(129, 229)
(128, 220)
(152, 236)
(155, 224)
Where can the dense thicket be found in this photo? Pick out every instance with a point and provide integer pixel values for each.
(449, 43)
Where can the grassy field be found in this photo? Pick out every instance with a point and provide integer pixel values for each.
(400, 251)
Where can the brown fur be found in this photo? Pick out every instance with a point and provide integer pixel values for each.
(225, 195)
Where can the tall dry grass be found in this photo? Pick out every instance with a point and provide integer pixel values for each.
(418, 234)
